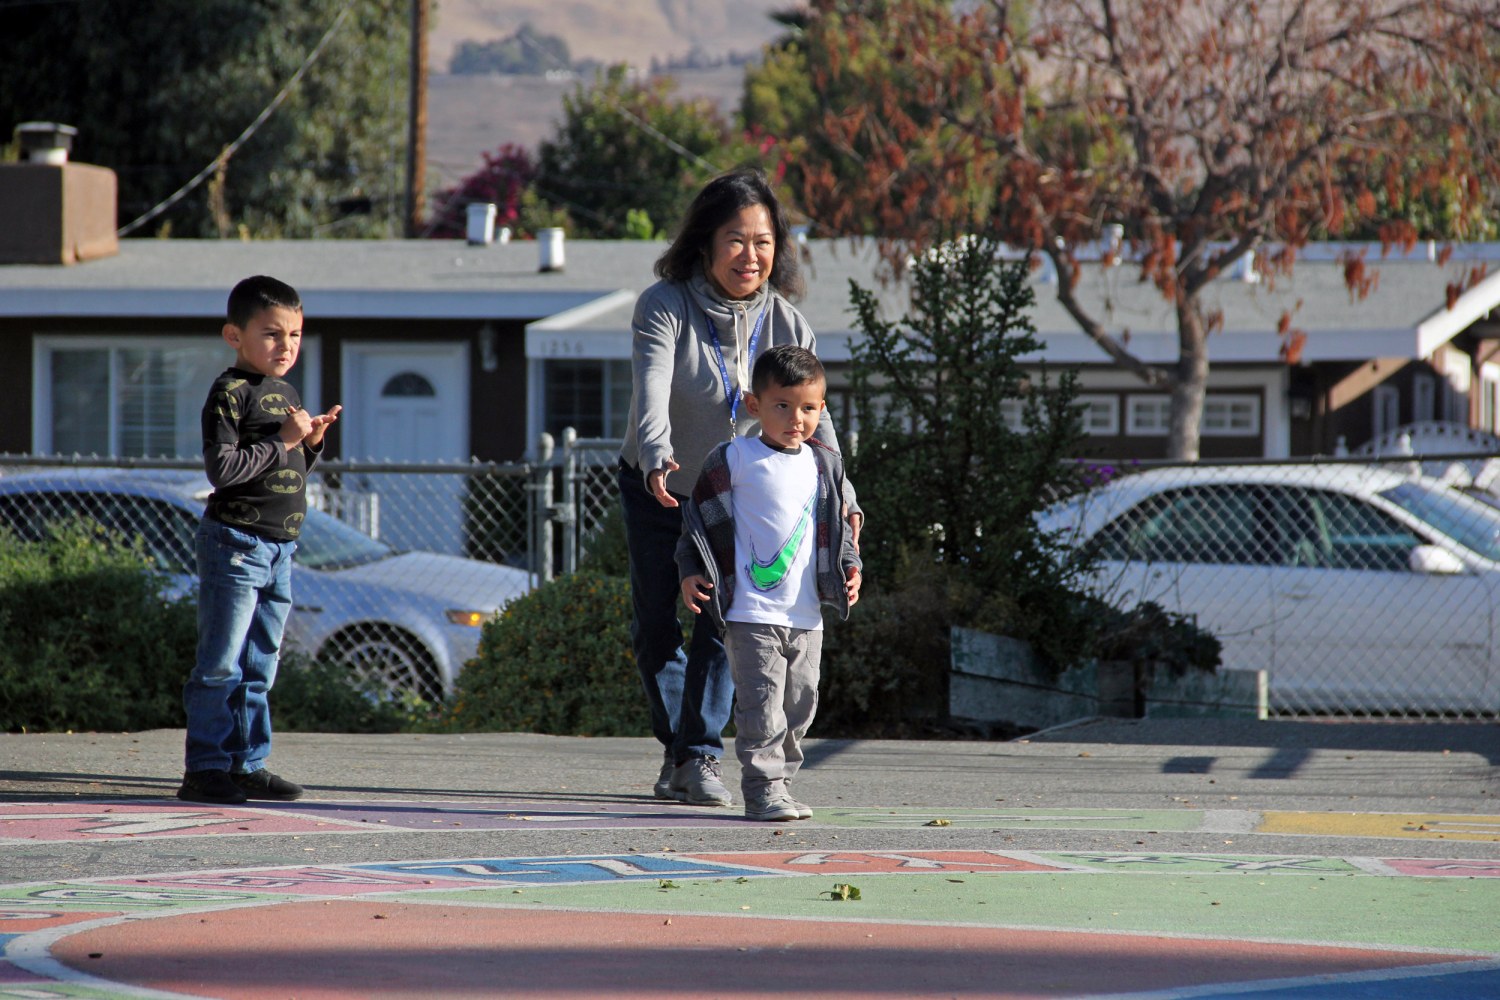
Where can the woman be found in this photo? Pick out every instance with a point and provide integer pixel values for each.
(722, 298)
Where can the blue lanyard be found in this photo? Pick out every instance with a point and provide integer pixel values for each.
(732, 398)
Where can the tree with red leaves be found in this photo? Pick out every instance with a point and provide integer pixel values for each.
(1208, 129)
(502, 182)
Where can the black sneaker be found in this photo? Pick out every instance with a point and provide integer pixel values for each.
(263, 784)
(212, 786)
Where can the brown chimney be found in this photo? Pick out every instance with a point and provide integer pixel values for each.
(53, 211)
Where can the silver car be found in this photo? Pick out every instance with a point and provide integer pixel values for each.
(408, 620)
(1357, 588)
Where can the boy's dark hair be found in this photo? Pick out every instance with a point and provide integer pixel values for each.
(786, 365)
(721, 198)
(260, 292)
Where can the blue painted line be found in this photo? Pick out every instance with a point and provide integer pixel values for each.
(1463, 981)
(564, 870)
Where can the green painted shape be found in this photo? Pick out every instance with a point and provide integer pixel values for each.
(1225, 864)
(766, 575)
(89, 897)
(48, 988)
(1348, 909)
(906, 818)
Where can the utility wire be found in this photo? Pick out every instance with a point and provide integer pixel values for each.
(250, 130)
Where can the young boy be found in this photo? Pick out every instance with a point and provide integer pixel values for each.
(764, 544)
(258, 445)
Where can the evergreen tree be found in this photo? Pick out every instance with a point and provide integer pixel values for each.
(158, 91)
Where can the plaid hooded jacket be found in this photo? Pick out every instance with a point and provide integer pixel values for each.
(707, 542)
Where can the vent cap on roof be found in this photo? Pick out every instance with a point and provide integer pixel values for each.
(45, 142)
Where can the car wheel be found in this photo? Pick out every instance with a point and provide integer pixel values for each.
(394, 661)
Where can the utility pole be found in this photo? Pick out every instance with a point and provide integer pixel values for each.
(416, 120)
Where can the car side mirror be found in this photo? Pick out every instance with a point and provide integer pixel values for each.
(1435, 560)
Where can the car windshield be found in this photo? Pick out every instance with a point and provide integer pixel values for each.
(328, 543)
(1473, 525)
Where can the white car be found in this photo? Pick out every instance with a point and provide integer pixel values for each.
(409, 620)
(1359, 589)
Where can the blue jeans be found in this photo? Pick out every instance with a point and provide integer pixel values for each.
(244, 594)
(690, 694)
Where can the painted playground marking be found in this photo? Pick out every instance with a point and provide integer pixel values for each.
(75, 821)
(1218, 899)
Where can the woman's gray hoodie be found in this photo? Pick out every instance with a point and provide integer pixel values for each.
(677, 406)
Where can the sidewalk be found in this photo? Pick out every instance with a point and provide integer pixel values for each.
(1106, 858)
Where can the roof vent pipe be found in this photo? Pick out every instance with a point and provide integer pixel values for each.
(1114, 238)
(481, 223)
(550, 243)
(45, 142)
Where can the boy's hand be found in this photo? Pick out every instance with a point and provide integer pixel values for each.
(851, 586)
(320, 425)
(856, 521)
(697, 591)
(297, 426)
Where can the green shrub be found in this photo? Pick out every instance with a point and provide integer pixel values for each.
(888, 664)
(557, 660)
(320, 697)
(89, 639)
(605, 550)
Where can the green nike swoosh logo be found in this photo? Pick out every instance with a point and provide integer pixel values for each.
(767, 575)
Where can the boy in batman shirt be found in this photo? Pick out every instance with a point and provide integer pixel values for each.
(258, 446)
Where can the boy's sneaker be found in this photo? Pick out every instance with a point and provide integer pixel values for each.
(699, 782)
(263, 784)
(770, 804)
(804, 811)
(211, 786)
(663, 787)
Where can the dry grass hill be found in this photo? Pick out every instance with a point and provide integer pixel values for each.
(468, 116)
(632, 31)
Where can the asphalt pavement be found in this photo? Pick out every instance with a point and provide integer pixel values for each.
(1064, 835)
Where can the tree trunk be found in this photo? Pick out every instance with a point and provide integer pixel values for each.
(1191, 382)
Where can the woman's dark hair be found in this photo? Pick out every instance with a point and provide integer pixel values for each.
(721, 198)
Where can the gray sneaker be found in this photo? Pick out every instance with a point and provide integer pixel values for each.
(663, 787)
(804, 811)
(699, 782)
(770, 804)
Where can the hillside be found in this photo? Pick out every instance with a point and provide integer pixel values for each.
(468, 116)
(633, 31)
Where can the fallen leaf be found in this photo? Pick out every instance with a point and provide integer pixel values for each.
(938, 822)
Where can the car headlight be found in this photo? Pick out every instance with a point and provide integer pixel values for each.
(471, 618)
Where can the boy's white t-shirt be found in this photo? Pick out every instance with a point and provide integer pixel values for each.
(775, 498)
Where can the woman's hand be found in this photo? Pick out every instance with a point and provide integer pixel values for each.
(656, 484)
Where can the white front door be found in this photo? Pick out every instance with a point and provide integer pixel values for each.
(409, 402)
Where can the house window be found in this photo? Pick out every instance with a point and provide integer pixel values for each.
(144, 400)
(1489, 397)
(1456, 403)
(1231, 416)
(1101, 414)
(1148, 415)
(591, 396)
(408, 385)
(1387, 409)
(1010, 415)
(1423, 398)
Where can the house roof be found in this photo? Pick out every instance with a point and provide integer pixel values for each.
(591, 300)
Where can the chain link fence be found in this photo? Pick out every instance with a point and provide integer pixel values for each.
(1364, 586)
(398, 564)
